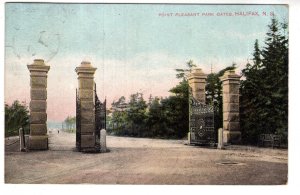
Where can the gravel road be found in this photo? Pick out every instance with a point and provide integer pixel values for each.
(144, 161)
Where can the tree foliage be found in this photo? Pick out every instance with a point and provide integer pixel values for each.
(165, 117)
(136, 113)
(264, 92)
(263, 103)
(16, 116)
(70, 123)
(183, 73)
(159, 117)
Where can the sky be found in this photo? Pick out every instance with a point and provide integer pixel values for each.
(135, 48)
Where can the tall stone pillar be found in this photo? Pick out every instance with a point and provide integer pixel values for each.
(231, 116)
(197, 81)
(38, 139)
(86, 92)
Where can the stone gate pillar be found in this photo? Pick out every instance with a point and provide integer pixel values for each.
(38, 139)
(197, 81)
(86, 92)
(231, 116)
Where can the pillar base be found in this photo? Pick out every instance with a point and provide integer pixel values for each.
(189, 138)
(220, 139)
(38, 142)
(232, 137)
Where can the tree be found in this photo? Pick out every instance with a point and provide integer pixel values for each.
(118, 120)
(121, 101)
(119, 116)
(136, 113)
(70, 123)
(181, 90)
(176, 116)
(183, 73)
(155, 120)
(252, 96)
(275, 61)
(264, 92)
(257, 62)
(176, 107)
(16, 116)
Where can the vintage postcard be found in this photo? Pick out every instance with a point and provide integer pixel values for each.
(176, 94)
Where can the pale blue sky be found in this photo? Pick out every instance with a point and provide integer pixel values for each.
(121, 31)
(133, 47)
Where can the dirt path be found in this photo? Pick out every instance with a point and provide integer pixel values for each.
(144, 161)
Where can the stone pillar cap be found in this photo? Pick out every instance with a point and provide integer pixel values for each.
(197, 73)
(85, 67)
(38, 65)
(230, 74)
(197, 70)
(86, 64)
(39, 62)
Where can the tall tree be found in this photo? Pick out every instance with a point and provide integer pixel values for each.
(265, 89)
(275, 61)
(137, 113)
(176, 108)
(155, 118)
(252, 95)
